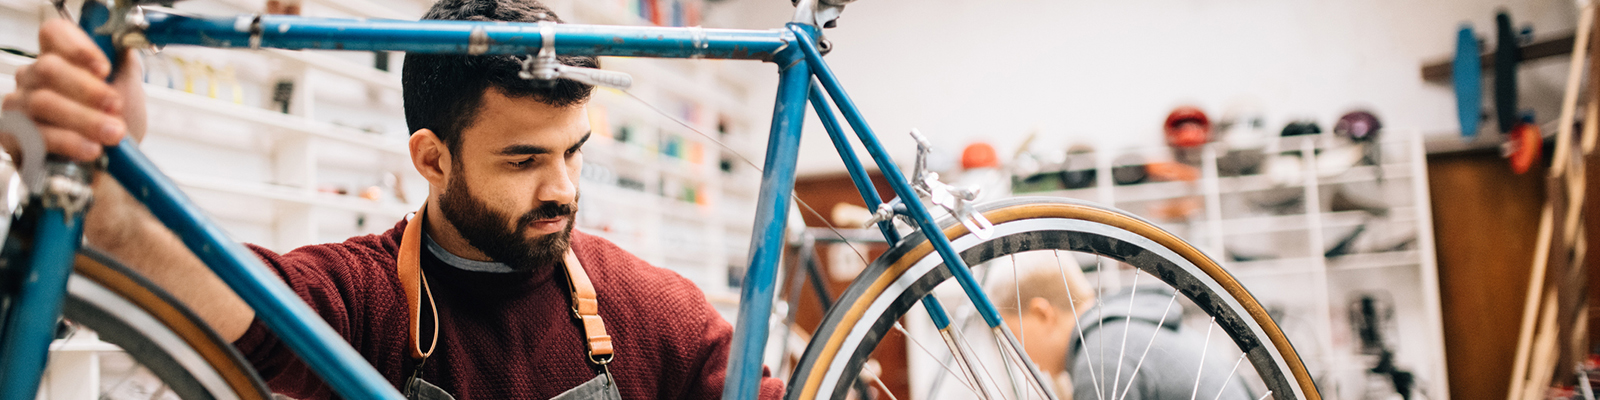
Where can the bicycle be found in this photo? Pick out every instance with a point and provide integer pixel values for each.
(129, 311)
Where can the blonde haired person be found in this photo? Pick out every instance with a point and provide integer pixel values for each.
(1084, 350)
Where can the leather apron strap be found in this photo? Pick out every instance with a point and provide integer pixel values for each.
(585, 302)
(409, 268)
(586, 308)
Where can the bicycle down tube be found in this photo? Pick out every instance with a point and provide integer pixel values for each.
(326, 352)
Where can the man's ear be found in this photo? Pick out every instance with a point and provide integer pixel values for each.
(431, 157)
(1039, 307)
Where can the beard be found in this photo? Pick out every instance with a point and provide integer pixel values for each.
(485, 229)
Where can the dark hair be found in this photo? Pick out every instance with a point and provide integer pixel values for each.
(442, 92)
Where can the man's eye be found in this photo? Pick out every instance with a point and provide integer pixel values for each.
(523, 163)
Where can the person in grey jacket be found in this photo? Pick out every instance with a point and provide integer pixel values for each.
(1114, 333)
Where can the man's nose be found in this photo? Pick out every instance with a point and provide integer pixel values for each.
(559, 186)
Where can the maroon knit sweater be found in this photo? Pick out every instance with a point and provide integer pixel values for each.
(503, 335)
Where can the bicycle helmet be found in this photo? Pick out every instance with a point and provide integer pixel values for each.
(1187, 127)
(1359, 126)
(1299, 128)
(1078, 171)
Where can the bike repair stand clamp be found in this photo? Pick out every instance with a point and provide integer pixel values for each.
(545, 68)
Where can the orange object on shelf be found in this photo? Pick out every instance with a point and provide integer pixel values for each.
(1524, 147)
(979, 155)
(1171, 171)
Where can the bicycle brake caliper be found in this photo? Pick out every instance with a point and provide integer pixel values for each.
(955, 200)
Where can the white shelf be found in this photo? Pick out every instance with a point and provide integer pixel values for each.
(291, 195)
(284, 123)
(1300, 274)
(1152, 191)
(1298, 222)
(9, 63)
(82, 345)
(322, 62)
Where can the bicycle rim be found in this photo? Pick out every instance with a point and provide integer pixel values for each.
(895, 282)
(156, 332)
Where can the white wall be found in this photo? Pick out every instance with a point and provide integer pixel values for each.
(1107, 72)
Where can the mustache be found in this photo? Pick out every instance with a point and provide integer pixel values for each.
(548, 210)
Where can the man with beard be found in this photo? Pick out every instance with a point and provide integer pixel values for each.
(487, 261)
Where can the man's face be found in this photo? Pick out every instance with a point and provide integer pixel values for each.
(513, 187)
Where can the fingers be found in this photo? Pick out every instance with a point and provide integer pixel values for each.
(54, 73)
(68, 143)
(57, 140)
(80, 126)
(67, 40)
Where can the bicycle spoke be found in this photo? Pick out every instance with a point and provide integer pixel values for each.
(925, 350)
(1123, 350)
(1077, 323)
(879, 381)
(1100, 317)
(1000, 347)
(1022, 331)
(1147, 347)
(1013, 350)
(962, 339)
(119, 384)
(160, 391)
(1198, 372)
(1229, 378)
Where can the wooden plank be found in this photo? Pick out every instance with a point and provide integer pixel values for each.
(1439, 71)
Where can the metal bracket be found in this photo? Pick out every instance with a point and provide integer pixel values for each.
(127, 23)
(545, 67)
(890, 210)
(819, 13)
(955, 200)
(67, 193)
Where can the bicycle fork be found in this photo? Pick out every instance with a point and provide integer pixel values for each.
(54, 215)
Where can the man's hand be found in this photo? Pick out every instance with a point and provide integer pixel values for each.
(66, 94)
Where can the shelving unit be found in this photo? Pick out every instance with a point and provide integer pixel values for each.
(1280, 253)
(285, 179)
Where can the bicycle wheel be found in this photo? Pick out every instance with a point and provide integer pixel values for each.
(895, 282)
(157, 333)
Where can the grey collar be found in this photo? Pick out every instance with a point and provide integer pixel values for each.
(459, 262)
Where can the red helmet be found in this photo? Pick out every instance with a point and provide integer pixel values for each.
(1188, 127)
(979, 155)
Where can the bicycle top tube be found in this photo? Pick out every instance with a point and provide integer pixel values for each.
(460, 37)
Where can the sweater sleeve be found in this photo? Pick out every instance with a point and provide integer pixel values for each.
(351, 286)
(717, 342)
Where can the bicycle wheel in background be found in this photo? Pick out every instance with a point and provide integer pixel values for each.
(895, 282)
(169, 352)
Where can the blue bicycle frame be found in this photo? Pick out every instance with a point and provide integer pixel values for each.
(804, 78)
